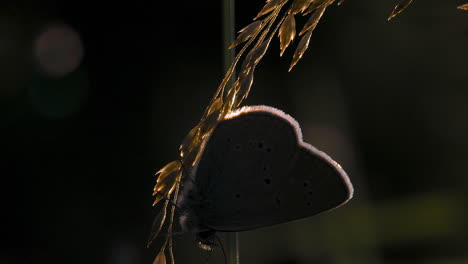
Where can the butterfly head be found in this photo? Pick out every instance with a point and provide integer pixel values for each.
(206, 239)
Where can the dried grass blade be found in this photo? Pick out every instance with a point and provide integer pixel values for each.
(230, 98)
(313, 20)
(300, 6)
(254, 56)
(215, 106)
(287, 32)
(160, 258)
(246, 82)
(157, 224)
(246, 33)
(268, 7)
(399, 8)
(206, 126)
(164, 191)
(190, 158)
(209, 123)
(167, 180)
(164, 188)
(197, 154)
(158, 198)
(301, 48)
(316, 5)
(271, 18)
(340, 2)
(166, 170)
(463, 7)
(192, 138)
(171, 253)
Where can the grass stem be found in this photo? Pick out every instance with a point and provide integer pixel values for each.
(232, 239)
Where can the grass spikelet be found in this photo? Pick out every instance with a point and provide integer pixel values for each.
(245, 83)
(190, 157)
(254, 56)
(209, 123)
(197, 137)
(190, 141)
(313, 20)
(301, 48)
(230, 98)
(268, 7)
(316, 5)
(215, 106)
(299, 6)
(166, 181)
(399, 8)
(246, 33)
(287, 32)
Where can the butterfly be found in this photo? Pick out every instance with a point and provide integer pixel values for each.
(256, 171)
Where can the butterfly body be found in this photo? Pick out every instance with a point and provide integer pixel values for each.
(255, 172)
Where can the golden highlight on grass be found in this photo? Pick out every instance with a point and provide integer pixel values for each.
(160, 258)
(287, 32)
(463, 7)
(165, 184)
(399, 8)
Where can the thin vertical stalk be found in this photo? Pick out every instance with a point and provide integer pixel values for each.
(232, 239)
(228, 36)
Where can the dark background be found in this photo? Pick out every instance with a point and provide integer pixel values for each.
(388, 100)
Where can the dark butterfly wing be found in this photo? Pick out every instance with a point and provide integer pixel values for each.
(256, 171)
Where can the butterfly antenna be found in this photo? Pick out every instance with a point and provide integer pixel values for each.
(222, 248)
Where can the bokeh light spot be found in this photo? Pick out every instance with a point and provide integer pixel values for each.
(58, 50)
